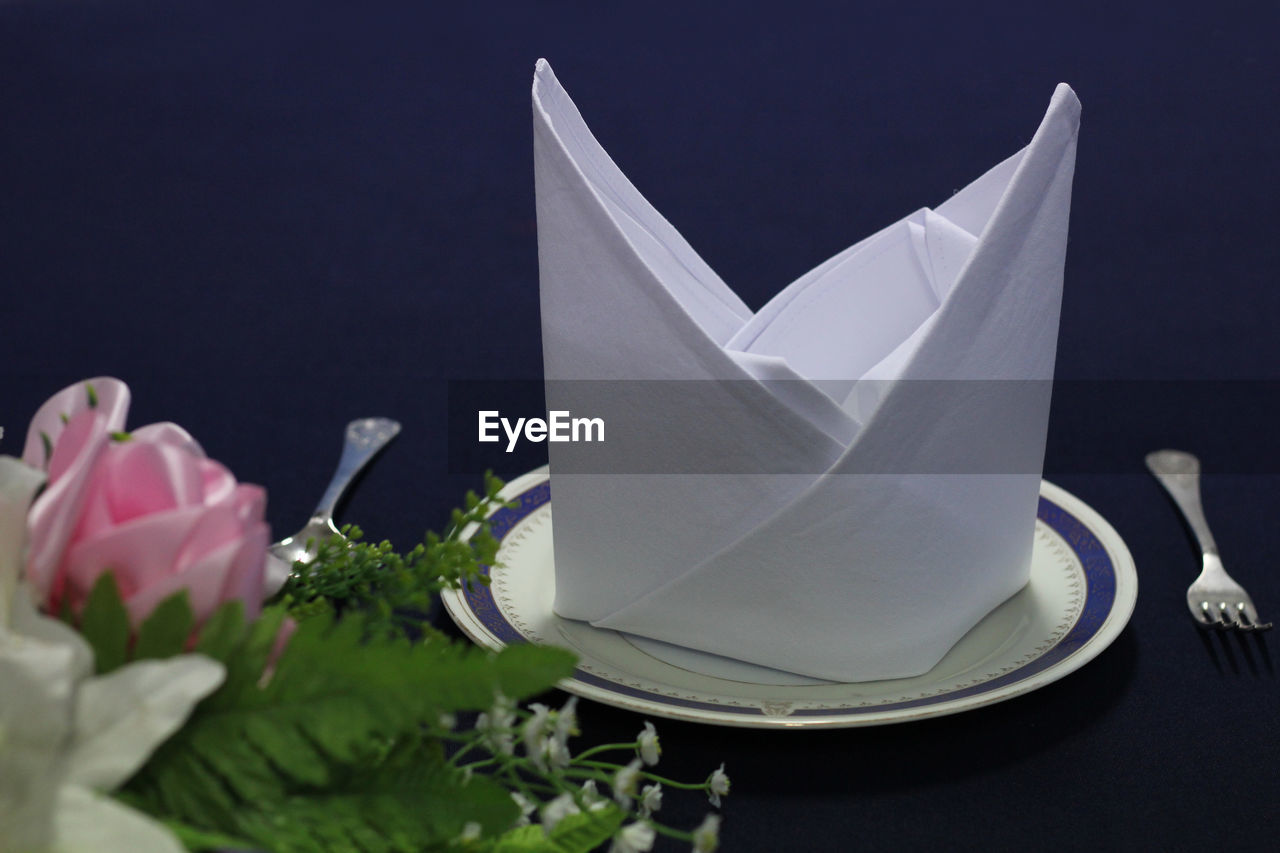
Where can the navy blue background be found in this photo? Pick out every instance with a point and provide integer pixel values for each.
(272, 220)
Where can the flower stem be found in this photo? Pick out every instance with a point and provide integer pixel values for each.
(670, 783)
(607, 747)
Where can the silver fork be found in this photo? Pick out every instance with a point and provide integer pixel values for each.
(1215, 600)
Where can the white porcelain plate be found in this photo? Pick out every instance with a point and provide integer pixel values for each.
(1082, 591)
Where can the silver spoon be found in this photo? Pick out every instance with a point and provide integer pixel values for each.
(364, 438)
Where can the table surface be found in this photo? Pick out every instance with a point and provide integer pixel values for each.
(270, 221)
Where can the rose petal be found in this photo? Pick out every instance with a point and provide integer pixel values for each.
(144, 478)
(213, 528)
(113, 405)
(82, 431)
(247, 578)
(204, 581)
(169, 434)
(95, 511)
(139, 553)
(219, 483)
(55, 513)
(250, 502)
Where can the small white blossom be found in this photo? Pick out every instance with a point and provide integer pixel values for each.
(448, 722)
(557, 752)
(624, 783)
(567, 722)
(592, 797)
(647, 744)
(706, 838)
(470, 832)
(636, 838)
(533, 735)
(650, 799)
(557, 810)
(718, 786)
(496, 724)
(527, 807)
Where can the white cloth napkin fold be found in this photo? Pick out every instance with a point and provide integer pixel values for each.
(840, 484)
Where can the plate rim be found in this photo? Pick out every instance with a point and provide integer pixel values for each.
(1124, 598)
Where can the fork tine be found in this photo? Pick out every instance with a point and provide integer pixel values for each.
(1224, 614)
(1254, 624)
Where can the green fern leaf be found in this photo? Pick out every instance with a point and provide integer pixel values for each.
(223, 631)
(164, 633)
(325, 753)
(576, 833)
(199, 840)
(579, 833)
(391, 807)
(104, 622)
(523, 839)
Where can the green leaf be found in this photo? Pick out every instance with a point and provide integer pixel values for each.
(164, 633)
(92, 394)
(327, 753)
(397, 588)
(585, 831)
(105, 624)
(223, 631)
(523, 839)
(201, 839)
(245, 664)
(576, 833)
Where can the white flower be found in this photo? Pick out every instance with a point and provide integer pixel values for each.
(66, 736)
(557, 810)
(448, 722)
(527, 807)
(18, 485)
(647, 744)
(636, 838)
(558, 755)
(533, 735)
(496, 726)
(650, 799)
(706, 838)
(567, 722)
(470, 832)
(591, 797)
(717, 786)
(624, 783)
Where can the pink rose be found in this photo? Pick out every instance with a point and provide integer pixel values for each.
(147, 505)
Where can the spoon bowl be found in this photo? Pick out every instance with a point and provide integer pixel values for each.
(362, 441)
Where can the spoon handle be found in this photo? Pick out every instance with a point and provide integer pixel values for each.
(364, 438)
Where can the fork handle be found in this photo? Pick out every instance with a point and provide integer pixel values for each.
(1179, 473)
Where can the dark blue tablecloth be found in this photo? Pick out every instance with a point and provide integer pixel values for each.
(272, 218)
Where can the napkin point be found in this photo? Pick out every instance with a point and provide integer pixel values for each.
(1064, 97)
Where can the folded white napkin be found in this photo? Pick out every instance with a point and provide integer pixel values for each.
(839, 485)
